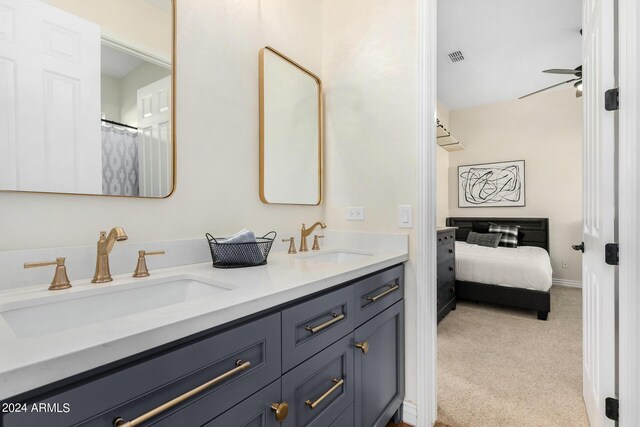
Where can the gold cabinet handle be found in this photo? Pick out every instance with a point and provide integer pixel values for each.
(392, 288)
(364, 346)
(336, 318)
(337, 383)
(281, 410)
(240, 366)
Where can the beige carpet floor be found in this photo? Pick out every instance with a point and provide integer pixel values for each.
(503, 367)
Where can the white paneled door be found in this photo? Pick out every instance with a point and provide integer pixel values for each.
(49, 100)
(599, 168)
(154, 139)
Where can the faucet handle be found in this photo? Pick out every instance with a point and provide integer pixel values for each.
(292, 245)
(316, 244)
(141, 267)
(60, 278)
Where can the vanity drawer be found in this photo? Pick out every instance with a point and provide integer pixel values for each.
(378, 292)
(134, 390)
(253, 412)
(309, 327)
(325, 381)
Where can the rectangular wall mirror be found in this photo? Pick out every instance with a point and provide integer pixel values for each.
(290, 131)
(86, 97)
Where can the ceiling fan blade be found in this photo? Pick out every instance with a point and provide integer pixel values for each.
(562, 71)
(547, 88)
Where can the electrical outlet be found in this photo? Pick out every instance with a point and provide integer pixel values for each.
(355, 214)
(565, 264)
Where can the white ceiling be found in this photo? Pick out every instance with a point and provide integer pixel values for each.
(506, 45)
(118, 64)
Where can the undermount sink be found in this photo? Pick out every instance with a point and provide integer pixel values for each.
(50, 315)
(335, 257)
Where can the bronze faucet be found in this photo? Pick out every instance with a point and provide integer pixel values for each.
(305, 232)
(105, 244)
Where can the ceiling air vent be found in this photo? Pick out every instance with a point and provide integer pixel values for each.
(456, 56)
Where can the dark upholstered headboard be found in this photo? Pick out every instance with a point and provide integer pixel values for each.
(533, 231)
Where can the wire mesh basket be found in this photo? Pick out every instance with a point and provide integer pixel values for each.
(236, 255)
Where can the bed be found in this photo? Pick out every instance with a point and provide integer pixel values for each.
(517, 277)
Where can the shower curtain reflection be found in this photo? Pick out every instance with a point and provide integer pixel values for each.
(119, 161)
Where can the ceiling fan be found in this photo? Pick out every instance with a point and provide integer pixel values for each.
(576, 80)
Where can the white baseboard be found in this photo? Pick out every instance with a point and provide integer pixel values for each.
(409, 413)
(567, 283)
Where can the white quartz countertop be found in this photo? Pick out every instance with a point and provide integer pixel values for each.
(28, 362)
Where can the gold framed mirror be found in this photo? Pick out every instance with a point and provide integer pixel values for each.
(291, 131)
(87, 91)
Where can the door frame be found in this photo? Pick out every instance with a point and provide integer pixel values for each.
(628, 210)
(426, 310)
(628, 214)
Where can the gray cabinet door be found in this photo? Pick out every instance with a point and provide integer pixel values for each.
(380, 371)
(253, 412)
(309, 327)
(325, 382)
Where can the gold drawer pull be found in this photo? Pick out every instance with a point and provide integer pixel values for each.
(336, 385)
(240, 366)
(280, 410)
(392, 288)
(336, 318)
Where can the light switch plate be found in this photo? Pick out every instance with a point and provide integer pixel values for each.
(355, 214)
(405, 216)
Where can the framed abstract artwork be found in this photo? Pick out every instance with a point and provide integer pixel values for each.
(487, 185)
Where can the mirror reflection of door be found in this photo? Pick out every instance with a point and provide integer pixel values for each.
(70, 72)
(50, 98)
(154, 121)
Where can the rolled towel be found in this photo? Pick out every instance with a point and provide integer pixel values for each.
(242, 236)
(244, 254)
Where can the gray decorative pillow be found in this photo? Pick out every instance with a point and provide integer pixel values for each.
(472, 238)
(490, 240)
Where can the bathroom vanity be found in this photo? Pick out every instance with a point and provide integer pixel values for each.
(309, 340)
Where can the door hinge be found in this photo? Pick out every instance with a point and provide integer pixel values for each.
(612, 99)
(612, 254)
(612, 408)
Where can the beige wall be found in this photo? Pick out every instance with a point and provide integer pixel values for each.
(546, 131)
(370, 76)
(442, 171)
(217, 133)
(122, 19)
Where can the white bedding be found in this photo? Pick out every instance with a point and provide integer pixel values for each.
(527, 267)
